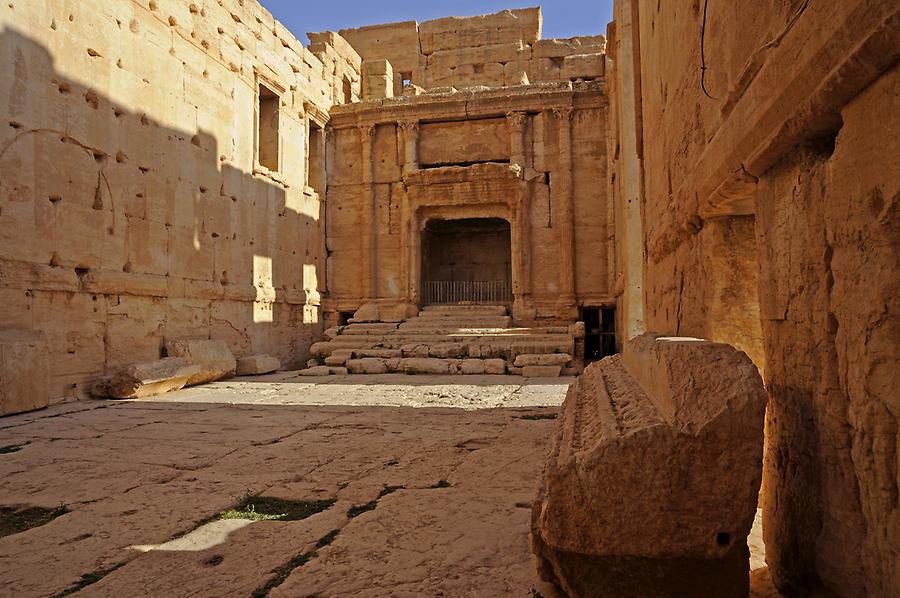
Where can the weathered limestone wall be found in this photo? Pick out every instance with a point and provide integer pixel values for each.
(721, 169)
(535, 157)
(502, 49)
(133, 208)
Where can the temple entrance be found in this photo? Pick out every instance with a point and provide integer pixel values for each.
(467, 260)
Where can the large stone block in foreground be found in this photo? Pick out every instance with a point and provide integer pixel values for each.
(23, 371)
(652, 480)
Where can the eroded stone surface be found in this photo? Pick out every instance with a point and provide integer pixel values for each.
(652, 480)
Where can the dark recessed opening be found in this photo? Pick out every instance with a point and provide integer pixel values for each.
(599, 332)
(723, 539)
(344, 317)
(268, 134)
(467, 260)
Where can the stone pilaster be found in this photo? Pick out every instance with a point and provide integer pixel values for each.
(566, 208)
(516, 122)
(369, 234)
(409, 131)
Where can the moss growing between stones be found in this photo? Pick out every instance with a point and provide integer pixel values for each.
(266, 508)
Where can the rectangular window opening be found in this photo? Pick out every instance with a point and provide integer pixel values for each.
(405, 80)
(316, 167)
(268, 136)
(348, 91)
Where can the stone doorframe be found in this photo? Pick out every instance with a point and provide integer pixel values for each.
(489, 190)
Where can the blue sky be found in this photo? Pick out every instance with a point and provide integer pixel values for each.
(562, 18)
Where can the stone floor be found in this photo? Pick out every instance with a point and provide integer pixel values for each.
(140, 479)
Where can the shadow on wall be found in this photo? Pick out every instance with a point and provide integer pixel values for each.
(118, 233)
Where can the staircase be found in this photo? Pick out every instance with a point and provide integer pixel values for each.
(446, 339)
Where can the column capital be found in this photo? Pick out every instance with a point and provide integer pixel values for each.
(516, 119)
(409, 127)
(563, 114)
(367, 131)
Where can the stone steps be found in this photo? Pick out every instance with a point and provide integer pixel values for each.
(446, 339)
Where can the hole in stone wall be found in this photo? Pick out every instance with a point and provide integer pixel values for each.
(723, 539)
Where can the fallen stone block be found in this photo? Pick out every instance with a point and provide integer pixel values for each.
(147, 379)
(367, 365)
(257, 365)
(560, 359)
(651, 484)
(213, 357)
(423, 365)
(494, 366)
(319, 370)
(338, 371)
(23, 371)
(336, 360)
(541, 371)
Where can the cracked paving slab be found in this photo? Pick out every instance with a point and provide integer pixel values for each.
(438, 472)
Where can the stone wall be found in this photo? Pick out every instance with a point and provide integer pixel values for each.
(502, 49)
(133, 208)
(768, 206)
(534, 157)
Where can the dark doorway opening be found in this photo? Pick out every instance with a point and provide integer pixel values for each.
(344, 317)
(599, 332)
(467, 261)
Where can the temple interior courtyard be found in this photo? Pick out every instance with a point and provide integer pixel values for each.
(450, 308)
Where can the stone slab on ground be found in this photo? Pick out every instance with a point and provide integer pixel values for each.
(23, 371)
(139, 476)
(147, 379)
(256, 365)
(214, 358)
